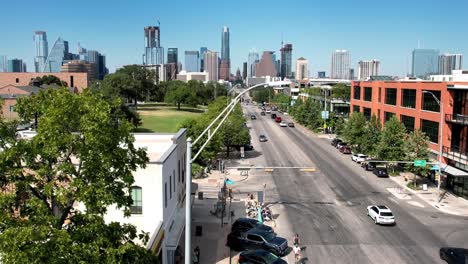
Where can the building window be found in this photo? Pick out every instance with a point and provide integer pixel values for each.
(388, 115)
(367, 113)
(17, 80)
(137, 205)
(390, 96)
(72, 81)
(368, 94)
(408, 98)
(12, 108)
(356, 108)
(431, 129)
(380, 94)
(357, 93)
(429, 103)
(408, 121)
(170, 186)
(165, 195)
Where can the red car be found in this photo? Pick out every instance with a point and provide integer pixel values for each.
(345, 150)
(278, 119)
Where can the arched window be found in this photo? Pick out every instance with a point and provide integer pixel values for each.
(137, 205)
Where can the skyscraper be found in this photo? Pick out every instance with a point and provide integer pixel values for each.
(340, 64)
(42, 50)
(211, 65)
(202, 58)
(16, 65)
(58, 54)
(154, 53)
(321, 74)
(191, 61)
(368, 68)
(225, 64)
(253, 56)
(244, 70)
(266, 66)
(425, 62)
(302, 69)
(449, 62)
(286, 61)
(3, 63)
(172, 55)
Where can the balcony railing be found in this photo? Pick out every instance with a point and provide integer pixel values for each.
(457, 118)
(454, 153)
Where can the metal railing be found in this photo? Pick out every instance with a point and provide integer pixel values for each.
(454, 153)
(457, 118)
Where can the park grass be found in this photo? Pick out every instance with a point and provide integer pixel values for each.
(164, 118)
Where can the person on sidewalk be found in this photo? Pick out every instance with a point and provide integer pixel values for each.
(196, 255)
(296, 239)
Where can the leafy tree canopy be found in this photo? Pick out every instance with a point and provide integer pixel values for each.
(48, 79)
(391, 145)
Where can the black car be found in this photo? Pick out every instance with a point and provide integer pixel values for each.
(253, 117)
(262, 113)
(380, 172)
(257, 239)
(273, 116)
(369, 165)
(245, 224)
(259, 256)
(454, 255)
(335, 141)
(290, 124)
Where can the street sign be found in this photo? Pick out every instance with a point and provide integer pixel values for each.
(242, 152)
(419, 163)
(325, 114)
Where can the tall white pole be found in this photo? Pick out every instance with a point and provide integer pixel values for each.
(188, 203)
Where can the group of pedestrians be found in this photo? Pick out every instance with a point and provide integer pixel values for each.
(296, 248)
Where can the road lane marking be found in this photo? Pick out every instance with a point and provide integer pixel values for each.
(418, 204)
(393, 200)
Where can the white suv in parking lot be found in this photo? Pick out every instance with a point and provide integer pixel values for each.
(381, 214)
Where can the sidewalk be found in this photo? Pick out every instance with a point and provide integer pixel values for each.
(449, 204)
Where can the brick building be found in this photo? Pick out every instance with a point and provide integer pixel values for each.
(77, 80)
(413, 103)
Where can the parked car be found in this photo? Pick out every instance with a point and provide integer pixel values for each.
(278, 119)
(282, 123)
(345, 150)
(260, 256)
(252, 116)
(341, 144)
(244, 224)
(274, 108)
(273, 116)
(262, 113)
(335, 141)
(268, 111)
(454, 255)
(369, 165)
(290, 124)
(247, 147)
(262, 138)
(257, 239)
(359, 158)
(381, 214)
(380, 172)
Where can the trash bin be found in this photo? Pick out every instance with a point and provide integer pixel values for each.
(200, 195)
(198, 230)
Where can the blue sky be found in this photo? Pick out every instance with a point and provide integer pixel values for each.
(384, 30)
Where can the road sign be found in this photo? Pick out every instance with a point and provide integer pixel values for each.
(420, 163)
(325, 114)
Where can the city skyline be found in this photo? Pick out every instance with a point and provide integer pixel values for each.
(265, 34)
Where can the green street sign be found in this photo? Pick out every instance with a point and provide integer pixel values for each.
(420, 163)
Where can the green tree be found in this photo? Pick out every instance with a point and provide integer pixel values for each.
(355, 130)
(48, 79)
(263, 94)
(308, 113)
(417, 148)
(179, 93)
(371, 136)
(392, 140)
(233, 132)
(282, 101)
(341, 91)
(83, 153)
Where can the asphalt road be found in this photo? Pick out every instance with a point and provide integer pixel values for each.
(328, 207)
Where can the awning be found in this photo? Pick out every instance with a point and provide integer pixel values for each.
(454, 171)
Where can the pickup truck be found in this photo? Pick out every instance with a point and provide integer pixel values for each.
(257, 238)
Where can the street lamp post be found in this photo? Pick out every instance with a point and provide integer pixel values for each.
(441, 127)
(188, 187)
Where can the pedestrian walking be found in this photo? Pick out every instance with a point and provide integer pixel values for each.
(196, 251)
(296, 239)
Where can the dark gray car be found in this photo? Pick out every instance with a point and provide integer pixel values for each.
(258, 239)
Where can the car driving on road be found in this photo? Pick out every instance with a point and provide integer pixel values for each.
(262, 138)
(283, 124)
(290, 124)
(381, 214)
(278, 119)
(454, 255)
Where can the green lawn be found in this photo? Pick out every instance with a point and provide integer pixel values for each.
(164, 119)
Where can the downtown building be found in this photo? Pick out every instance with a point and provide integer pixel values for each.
(202, 58)
(211, 65)
(16, 65)
(413, 103)
(154, 53)
(368, 68)
(225, 63)
(425, 62)
(340, 65)
(302, 69)
(253, 59)
(286, 61)
(450, 62)
(42, 50)
(191, 61)
(266, 66)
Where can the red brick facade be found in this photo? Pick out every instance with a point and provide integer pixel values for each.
(78, 80)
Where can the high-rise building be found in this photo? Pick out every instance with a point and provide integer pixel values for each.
(238, 75)
(302, 69)
(368, 68)
(351, 74)
(81, 66)
(425, 62)
(3, 63)
(340, 64)
(172, 55)
(244, 70)
(42, 50)
(191, 61)
(202, 58)
(225, 63)
(16, 65)
(449, 62)
(286, 61)
(154, 53)
(58, 54)
(253, 57)
(211, 65)
(224, 69)
(266, 66)
(321, 74)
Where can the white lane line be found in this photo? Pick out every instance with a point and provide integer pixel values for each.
(393, 200)
(418, 204)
